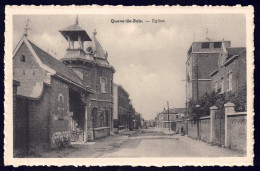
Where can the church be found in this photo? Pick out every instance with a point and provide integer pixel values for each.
(59, 101)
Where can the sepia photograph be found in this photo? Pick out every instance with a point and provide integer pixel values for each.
(105, 85)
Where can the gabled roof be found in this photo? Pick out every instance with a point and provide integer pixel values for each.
(180, 110)
(171, 111)
(55, 64)
(97, 48)
(235, 51)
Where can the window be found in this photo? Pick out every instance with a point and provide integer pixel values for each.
(177, 116)
(217, 45)
(61, 106)
(229, 78)
(205, 45)
(222, 85)
(22, 58)
(111, 86)
(216, 86)
(103, 82)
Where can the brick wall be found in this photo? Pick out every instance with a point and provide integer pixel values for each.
(192, 129)
(28, 73)
(39, 122)
(204, 86)
(205, 129)
(207, 63)
(108, 74)
(20, 122)
(32, 124)
(59, 113)
(236, 132)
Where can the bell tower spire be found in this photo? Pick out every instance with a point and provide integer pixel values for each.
(77, 20)
(75, 33)
(26, 28)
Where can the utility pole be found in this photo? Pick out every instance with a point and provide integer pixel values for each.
(197, 97)
(197, 79)
(168, 115)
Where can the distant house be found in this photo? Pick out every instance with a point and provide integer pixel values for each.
(230, 74)
(137, 122)
(131, 115)
(166, 118)
(180, 113)
(121, 108)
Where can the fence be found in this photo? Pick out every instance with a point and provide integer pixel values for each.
(224, 129)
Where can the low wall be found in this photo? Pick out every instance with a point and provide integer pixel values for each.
(192, 129)
(101, 132)
(236, 131)
(205, 128)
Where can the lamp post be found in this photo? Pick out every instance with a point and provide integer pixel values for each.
(197, 118)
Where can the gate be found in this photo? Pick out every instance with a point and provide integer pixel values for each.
(220, 127)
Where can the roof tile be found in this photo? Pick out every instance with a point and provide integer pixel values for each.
(55, 64)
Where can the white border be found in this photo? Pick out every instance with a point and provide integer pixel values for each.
(150, 10)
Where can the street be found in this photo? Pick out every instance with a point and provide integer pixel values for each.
(150, 142)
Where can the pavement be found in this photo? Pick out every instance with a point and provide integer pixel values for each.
(154, 143)
(150, 142)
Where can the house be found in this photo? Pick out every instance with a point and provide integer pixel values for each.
(230, 74)
(166, 118)
(91, 66)
(131, 115)
(180, 113)
(121, 108)
(59, 101)
(202, 60)
(49, 98)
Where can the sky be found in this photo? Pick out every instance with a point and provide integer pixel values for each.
(149, 58)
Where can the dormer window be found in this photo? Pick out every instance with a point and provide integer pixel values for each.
(22, 58)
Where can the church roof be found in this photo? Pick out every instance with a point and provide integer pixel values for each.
(55, 64)
(73, 31)
(235, 51)
(98, 51)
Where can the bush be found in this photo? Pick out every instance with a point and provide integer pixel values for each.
(217, 99)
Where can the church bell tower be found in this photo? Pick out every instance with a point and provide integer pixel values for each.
(72, 34)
